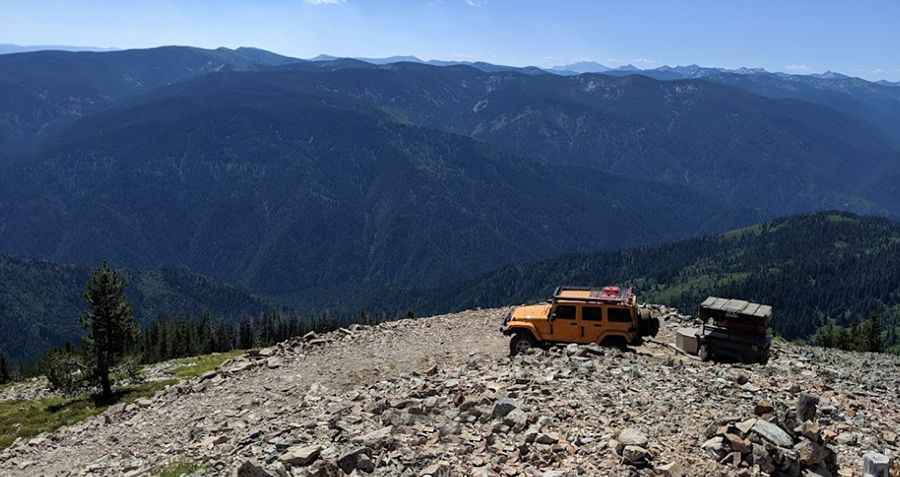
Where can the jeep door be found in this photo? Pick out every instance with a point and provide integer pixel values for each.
(619, 321)
(566, 327)
(592, 322)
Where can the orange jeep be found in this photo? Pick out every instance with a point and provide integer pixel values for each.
(580, 315)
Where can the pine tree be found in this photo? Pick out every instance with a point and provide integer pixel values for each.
(873, 337)
(5, 373)
(110, 325)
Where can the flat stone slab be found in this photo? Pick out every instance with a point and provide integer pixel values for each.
(773, 433)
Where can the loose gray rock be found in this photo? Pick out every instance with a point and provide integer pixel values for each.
(503, 407)
(772, 433)
(249, 469)
(300, 455)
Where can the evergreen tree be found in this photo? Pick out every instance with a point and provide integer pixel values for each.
(246, 339)
(5, 373)
(873, 337)
(110, 325)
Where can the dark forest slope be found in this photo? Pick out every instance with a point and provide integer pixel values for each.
(41, 302)
(812, 268)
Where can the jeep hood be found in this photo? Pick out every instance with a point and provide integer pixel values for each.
(531, 312)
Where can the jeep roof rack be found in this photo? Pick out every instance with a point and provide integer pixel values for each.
(610, 294)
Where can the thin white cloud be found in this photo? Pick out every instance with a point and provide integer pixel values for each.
(476, 3)
(795, 67)
(325, 2)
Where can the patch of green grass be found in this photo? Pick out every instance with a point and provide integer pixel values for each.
(178, 469)
(837, 218)
(204, 364)
(741, 232)
(29, 418)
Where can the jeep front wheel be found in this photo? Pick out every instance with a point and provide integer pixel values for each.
(520, 343)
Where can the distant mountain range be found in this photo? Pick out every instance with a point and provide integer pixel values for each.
(6, 48)
(330, 183)
(483, 66)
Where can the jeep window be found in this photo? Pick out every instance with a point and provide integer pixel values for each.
(564, 312)
(618, 315)
(592, 313)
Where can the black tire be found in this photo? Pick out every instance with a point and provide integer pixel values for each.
(647, 325)
(703, 353)
(520, 343)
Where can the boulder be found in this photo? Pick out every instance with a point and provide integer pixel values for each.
(631, 436)
(810, 453)
(714, 446)
(517, 420)
(737, 443)
(635, 455)
(274, 362)
(846, 439)
(355, 459)
(503, 407)
(250, 469)
(672, 469)
(763, 407)
(300, 456)
(772, 433)
(382, 438)
(806, 407)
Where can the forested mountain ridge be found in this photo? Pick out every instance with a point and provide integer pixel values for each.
(712, 138)
(875, 102)
(819, 152)
(286, 191)
(812, 268)
(43, 91)
(41, 302)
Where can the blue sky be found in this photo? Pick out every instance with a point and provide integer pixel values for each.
(857, 37)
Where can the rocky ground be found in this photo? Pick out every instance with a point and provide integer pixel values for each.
(439, 396)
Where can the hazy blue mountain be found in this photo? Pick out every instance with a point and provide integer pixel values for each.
(45, 90)
(875, 102)
(374, 61)
(7, 48)
(581, 67)
(298, 178)
(266, 180)
(717, 139)
(41, 302)
(480, 65)
(257, 56)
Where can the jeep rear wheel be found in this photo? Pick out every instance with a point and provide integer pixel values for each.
(520, 343)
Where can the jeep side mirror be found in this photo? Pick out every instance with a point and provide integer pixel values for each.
(552, 315)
